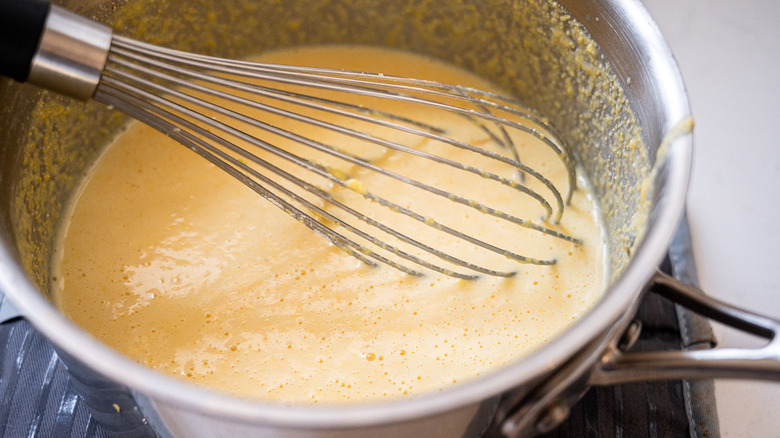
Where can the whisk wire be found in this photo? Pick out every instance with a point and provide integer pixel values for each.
(176, 116)
(155, 116)
(150, 97)
(296, 99)
(327, 173)
(392, 86)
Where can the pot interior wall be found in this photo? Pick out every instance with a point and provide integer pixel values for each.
(532, 49)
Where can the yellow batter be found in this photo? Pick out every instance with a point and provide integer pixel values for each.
(184, 269)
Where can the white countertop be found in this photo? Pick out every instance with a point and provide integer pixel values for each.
(729, 55)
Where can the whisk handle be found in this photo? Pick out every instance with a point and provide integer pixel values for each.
(51, 47)
(21, 27)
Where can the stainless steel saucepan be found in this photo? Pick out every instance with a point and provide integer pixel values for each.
(599, 68)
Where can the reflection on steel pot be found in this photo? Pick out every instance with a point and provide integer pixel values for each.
(600, 69)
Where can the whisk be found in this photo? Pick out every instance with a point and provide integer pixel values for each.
(210, 105)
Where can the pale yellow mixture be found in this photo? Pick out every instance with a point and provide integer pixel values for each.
(182, 268)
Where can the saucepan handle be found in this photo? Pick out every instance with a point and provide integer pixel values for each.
(618, 366)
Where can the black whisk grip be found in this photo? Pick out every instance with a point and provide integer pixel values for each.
(21, 27)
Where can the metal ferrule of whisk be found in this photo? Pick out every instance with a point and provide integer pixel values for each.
(71, 54)
(205, 103)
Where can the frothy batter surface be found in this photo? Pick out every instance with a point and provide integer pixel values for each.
(184, 269)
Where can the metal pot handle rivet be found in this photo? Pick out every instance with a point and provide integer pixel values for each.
(630, 336)
(552, 417)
